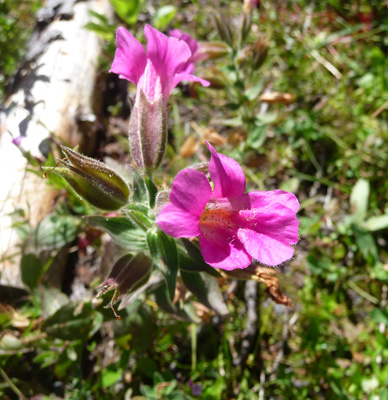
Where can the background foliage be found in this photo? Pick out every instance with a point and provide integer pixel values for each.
(328, 146)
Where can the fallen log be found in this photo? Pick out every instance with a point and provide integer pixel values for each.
(53, 96)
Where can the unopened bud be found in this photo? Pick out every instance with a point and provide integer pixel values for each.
(128, 274)
(260, 52)
(223, 28)
(148, 131)
(250, 5)
(243, 56)
(210, 51)
(245, 25)
(216, 82)
(93, 180)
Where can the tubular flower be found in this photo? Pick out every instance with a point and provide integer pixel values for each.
(233, 227)
(155, 74)
(159, 70)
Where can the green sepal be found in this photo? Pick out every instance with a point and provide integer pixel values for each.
(165, 256)
(152, 191)
(94, 181)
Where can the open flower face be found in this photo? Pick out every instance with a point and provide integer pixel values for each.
(233, 227)
(158, 70)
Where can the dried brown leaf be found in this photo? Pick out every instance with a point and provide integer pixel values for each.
(276, 97)
(263, 275)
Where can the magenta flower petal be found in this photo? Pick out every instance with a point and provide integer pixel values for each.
(177, 222)
(130, 58)
(168, 55)
(267, 199)
(189, 65)
(264, 248)
(193, 44)
(189, 195)
(190, 78)
(227, 175)
(268, 233)
(220, 250)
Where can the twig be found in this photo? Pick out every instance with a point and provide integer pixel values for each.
(250, 331)
(381, 108)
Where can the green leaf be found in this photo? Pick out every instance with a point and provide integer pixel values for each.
(163, 300)
(138, 213)
(165, 256)
(206, 288)
(110, 376)
(266, 118)
(68, 323)
(163, 16)
(367, 246)
(52, 300)
(359, 200)
(127, 10)
(186, 312)
(257, 136)
(379, 316)
(31, 270)
(376, 223)
(54, 231)
(253, 92)
(124, 232)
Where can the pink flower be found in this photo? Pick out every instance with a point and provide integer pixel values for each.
(159, 70)
(233, 227)
(193, 44)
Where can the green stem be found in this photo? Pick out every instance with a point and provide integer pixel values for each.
(12, 385)
(193, 331)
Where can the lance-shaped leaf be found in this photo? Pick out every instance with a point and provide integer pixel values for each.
(206, 288)
(93, 180)
(165, 256)
(376, 223)
(68, 322)
(124, 232)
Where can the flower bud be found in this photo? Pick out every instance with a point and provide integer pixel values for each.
(148, 131)
(245, 25)
(223, 27)
(260, 52)
(93, 180)
(250, 5)
(128, 274)
(210, 51)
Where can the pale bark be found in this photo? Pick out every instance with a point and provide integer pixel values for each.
(54, 98)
